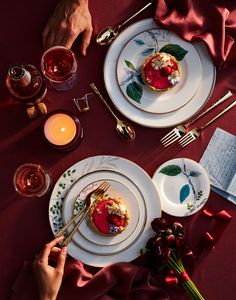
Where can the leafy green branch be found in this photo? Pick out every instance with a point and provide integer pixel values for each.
(174, 170)
(134, 83)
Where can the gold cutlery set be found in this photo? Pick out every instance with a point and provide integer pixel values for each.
(180, 133)
(89, 201)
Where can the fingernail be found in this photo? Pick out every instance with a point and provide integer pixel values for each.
(64, 250)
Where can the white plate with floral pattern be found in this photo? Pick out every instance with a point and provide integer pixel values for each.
(142, 117)
(105, 163)
(121, 187)
(183, 186)
(132, 57)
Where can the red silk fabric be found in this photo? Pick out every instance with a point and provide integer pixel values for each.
(209, 239)
(213, 22)
(117, 281)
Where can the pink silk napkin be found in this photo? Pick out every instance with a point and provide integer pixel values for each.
(117, 281)
(212, 21)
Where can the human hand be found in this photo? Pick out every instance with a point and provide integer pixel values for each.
(49, 278)
(69, 19)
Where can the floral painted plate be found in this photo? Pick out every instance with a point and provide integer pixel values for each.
(118, 165)
(136, 52)
(140, 116)
(183, 186)
(121, 187)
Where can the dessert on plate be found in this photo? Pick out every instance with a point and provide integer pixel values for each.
(109, 216)
(161, 71)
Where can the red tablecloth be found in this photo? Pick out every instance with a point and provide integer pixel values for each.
(24, 223)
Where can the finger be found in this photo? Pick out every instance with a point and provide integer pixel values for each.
(50, 42)
(58, 39)
(55, 241)
(35, 260)
(55, 250)
(68, 40)
(43, 255)
(86, 38)
(61, 259)
(52, 36)
(45, 34)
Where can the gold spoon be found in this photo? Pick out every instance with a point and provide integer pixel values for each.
(125, 130)
(108, 34)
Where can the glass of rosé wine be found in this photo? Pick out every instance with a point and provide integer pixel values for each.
(31, 180)
(59, 66)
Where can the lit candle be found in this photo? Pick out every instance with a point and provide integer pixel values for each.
(60, 129)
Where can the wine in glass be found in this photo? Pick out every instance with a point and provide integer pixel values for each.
(31, 180)
(59, 66)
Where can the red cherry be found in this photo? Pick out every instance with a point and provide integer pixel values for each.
(159, 224)
(166, 70)
(115, 220)
(174, 67)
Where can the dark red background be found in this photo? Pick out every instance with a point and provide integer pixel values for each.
(24, 225)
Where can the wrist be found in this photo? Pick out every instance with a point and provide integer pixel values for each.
(81, 2)
(47, 297)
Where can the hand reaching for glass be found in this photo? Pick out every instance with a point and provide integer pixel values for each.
(49, 278)
(69, 19)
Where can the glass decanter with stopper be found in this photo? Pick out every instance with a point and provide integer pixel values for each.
(27, 86)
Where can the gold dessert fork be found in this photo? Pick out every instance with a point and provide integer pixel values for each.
(91, 197)
(177, 132)
(195, 132)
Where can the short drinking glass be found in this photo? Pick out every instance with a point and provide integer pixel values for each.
(59, 66)
(31, 180)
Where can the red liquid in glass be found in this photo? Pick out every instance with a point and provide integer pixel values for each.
(31, 180)
(59, 64)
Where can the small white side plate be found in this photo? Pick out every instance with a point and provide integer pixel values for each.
(183, 186)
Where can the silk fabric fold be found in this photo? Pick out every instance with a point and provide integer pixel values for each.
(213, 22)
(117, 281)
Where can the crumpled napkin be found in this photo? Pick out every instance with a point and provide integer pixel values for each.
(212, 21)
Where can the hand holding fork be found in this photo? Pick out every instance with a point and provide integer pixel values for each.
(94, 195)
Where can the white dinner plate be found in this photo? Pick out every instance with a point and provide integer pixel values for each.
(119, 165)
(150, 119)
(183, 186)
(86, 238)
(117, 190)
(132, 57)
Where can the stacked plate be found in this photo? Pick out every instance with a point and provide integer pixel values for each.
(136, 101)
(128, 182)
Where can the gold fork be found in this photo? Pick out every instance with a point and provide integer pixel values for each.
(177, 132)
(94, 195)
(195, 132)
